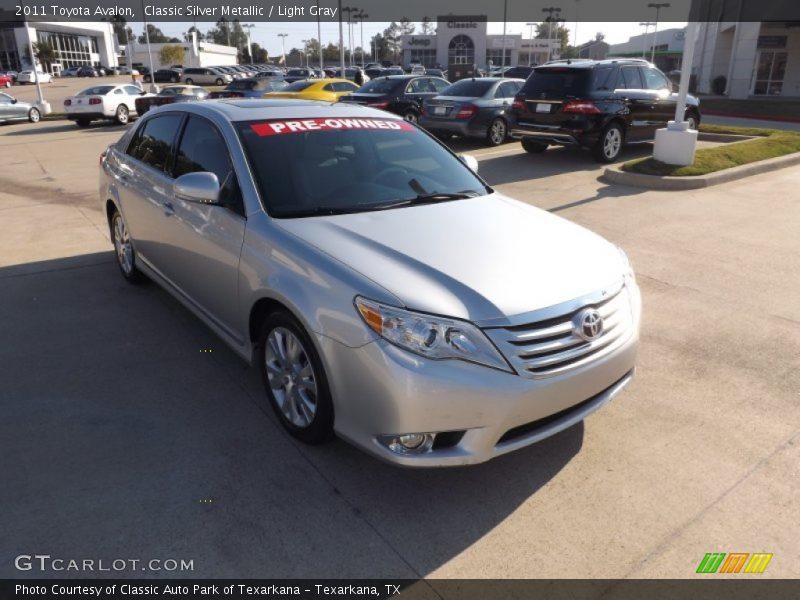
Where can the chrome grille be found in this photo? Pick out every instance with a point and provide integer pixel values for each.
(553, 346)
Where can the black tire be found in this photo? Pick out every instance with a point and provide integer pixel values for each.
(411, 116)
(148, 79)
(219, 81)
(608, 147)
(532, 146)
(129, 270)
(173, 80)
(122, 115)
(693, 118)
(320, 427)
(189, 81)
(497, 133)
(83, 122)
(34, 115)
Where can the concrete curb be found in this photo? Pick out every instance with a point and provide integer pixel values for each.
(615, 174)
(724, 138)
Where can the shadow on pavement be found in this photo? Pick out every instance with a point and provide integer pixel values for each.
(65, 126)
(130, 430)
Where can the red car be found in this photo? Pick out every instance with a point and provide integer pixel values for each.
(6, 80)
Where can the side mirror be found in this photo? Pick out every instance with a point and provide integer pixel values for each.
(470, 161)
(201, 187)
(13, 101)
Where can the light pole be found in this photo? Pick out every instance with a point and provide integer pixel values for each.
(319, 38)
(361, 16)
(646, 26)
(575, 35)
(550, 10)
(503, 50)
(283, 37)
(44, 107)
(249, 26)
(658, 6)
(530, 41)
(341, 39)
(305, 51)
(153, 86)
(350, 10)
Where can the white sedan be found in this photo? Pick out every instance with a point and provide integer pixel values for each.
(110, 102)
(29, 77)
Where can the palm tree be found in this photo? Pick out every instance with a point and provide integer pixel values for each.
(45, 54)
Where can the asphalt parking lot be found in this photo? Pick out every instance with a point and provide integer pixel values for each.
(130, 431)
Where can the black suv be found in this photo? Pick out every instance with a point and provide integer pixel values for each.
(401, 94)
(599, 105)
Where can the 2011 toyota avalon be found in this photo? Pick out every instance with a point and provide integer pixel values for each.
(386, 293)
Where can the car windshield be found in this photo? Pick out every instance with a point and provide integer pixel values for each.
(472, 88)
(298, 86)
(324, 166)
(241, 84)
(559, 82)
(297, 72)
(97, 90)
(379, 86)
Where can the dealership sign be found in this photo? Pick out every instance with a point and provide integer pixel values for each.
(419, 41)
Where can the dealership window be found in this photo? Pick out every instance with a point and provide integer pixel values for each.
(498, 58)
(461, 51)
(71, 50)
(9, 56)
(425, 56)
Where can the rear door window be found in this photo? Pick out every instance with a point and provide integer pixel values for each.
(629, 79)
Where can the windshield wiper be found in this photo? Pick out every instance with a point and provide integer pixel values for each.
(427, 199)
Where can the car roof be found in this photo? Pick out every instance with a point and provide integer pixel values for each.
(586, 63)
(238, 109)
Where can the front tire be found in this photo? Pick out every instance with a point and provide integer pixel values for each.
(693, 120)
(497, 133)
(219, 82)
(411, 116)
(532, 146)
(295, 379)
(124, 250)
(122, 116)
(609, 145)
(34, 115)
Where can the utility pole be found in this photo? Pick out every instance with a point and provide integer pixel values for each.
(658, 6)
(249, 26)
(575, 34)
(283, 37)
(646, 26)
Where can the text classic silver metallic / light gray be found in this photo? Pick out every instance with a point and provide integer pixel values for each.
(385, 292)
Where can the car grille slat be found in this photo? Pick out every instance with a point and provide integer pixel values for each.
(553, 346)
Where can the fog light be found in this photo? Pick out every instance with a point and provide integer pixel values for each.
(410, 443)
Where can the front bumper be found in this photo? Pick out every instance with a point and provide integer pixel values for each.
(381, 390)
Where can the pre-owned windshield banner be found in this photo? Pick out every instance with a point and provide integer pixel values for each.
(327, 124)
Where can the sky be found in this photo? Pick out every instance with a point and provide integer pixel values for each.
(266, 33)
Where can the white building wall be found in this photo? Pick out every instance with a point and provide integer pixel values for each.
(791, 81)
(743, 60)
(207, 55)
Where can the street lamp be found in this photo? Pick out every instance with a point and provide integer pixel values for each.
(360, 17)
(530, 41)
(503, 50)
(658, 6)
(319, 38)
(283, 37)
(249, 26)
(341, 38)
(550, 10)
(350, 10)
(646, 26)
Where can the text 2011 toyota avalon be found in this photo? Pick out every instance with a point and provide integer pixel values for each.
(387, 294)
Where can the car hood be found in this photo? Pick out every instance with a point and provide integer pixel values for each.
(484, 259)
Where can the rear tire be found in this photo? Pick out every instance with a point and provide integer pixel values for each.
(411, 116)
(34, 115)
(219, 82)
(609, 146)
(122, 116)
(497, 133)
(83, 122)
(294, 378)
(124, 250)
(532, 146)
(189, 81)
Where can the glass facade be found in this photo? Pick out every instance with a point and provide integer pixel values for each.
(71, 50)
(461, 51)
(426, 57)
(498, 58)
(9, 55)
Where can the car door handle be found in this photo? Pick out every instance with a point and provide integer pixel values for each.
(169, 210)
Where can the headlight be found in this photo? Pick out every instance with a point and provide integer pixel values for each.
(432, 337)
(627, 269)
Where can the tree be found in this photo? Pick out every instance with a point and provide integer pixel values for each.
(171, 55)
(188, 35)
(550, 29)
(380, 47)
(260, 55)
(406, 26)
(331, 53)
(156, 35)
(391, 36)
(45, 54)
(427, 26)
(228, 33)
(599, 36)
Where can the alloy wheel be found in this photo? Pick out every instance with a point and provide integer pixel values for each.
(612, 142)
(122, 245)
(291, 377)
(498, 132)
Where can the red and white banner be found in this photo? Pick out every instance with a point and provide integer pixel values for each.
(331, 124)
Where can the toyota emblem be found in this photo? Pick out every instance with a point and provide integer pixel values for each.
(589, 324)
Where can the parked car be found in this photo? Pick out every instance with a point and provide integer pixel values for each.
(205, 76)
(401, 94)
(164, 76)
(436, 73)
(472, 108)
(87, 71)
(350, 73)
(293, 75)
(169, 95)
(600, 105)
(127, 71)
(374, 71)
(30, 77)
(384, 291)
(417, 70)
(6, 80)
(109, 71)
(109, 102)
(12, 109)
(70, 72)
(329, 90)
(518, 72)
(251, 88)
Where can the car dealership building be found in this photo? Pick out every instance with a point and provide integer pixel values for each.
(464, 40)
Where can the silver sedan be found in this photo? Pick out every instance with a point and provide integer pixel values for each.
(386, 293)
(12, 109)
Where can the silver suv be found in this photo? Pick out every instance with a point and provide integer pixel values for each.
(386, 293)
